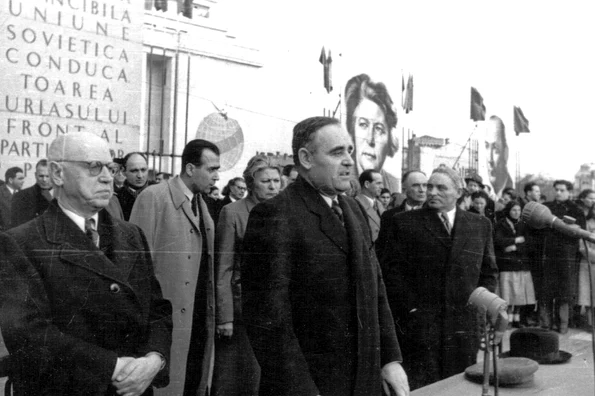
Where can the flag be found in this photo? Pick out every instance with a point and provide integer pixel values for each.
(478, 109)
(408, 103)
(402, 90)
(521, 124)
(161, 5)
(326, 62)
(185, 7)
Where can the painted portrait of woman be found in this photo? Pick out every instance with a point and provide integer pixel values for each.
(371, 122)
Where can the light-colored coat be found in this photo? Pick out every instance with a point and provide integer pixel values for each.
(230, 235)
(372, 216)
(165, 215)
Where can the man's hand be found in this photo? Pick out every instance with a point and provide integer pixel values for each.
(394, 377)
(225, 329)
(134, 378)
(120, 364)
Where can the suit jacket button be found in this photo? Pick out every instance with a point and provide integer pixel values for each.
(191, 231)
(114, 288)
(183, 310)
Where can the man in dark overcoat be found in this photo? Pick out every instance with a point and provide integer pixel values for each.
(81, 310)
(31, 202)
(559, 274)
(437, 256)
(313, 297)
(14, 181)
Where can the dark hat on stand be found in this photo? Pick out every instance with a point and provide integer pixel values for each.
(538, 344)
(511, 371)
(476, 178)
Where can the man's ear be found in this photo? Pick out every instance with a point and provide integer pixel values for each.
(305, 157)
(189, 169)
(56, 173)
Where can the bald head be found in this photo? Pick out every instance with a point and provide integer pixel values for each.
(79, 146)
(79, 169)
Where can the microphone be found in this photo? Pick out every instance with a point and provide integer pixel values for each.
(539, 216)
(495, 308)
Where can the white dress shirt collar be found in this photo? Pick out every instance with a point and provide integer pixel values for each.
(78, 220)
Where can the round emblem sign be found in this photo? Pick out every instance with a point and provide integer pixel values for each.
(227, 134)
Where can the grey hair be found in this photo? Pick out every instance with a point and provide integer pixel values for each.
(452, 175)
(255, 165)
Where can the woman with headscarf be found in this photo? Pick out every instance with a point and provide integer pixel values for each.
(236, 369)
(586, 201)
(516, 283)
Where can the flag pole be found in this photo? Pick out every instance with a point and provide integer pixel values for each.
(465, 146)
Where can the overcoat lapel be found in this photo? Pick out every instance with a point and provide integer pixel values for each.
(115, 244)
(329, 223)
(461, 232)
(77, 249)
(179, 199)
(433, 224)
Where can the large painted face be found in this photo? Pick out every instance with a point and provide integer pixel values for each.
(372, 136)
(497, 153)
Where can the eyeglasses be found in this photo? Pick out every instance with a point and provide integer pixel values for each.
(95, 167)
(241, 188)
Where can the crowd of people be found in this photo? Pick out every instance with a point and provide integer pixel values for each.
(315, 278)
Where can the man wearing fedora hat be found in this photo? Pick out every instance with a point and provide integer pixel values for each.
(474, 183)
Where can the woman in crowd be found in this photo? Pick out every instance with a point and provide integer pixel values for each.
(516, 283)
(479, 205)
(236, 369)
(384, 198)
(464, 201)
(586, 201)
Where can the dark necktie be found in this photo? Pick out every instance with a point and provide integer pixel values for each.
(337, 210)
(91, 231)
(446, 222)
(376, 208)
(194, 204)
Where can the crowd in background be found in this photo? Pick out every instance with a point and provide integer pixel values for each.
(543, 275)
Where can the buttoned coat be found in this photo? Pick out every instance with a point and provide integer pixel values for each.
(27, 204)
(70, 309)
(314, 301)
(371, 213)
(5, 205)
(165, 214)
(429, 276)
(559, 272)
(384, 236)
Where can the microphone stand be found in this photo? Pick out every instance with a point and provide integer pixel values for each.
(488, 338)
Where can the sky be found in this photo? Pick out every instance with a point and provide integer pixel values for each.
(534, 54)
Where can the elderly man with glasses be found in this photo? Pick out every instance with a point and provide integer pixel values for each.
(82, 310)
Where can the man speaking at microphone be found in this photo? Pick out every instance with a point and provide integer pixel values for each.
(313, 299)
(436, 258)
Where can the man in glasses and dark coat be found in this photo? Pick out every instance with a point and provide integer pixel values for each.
(82, 311)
